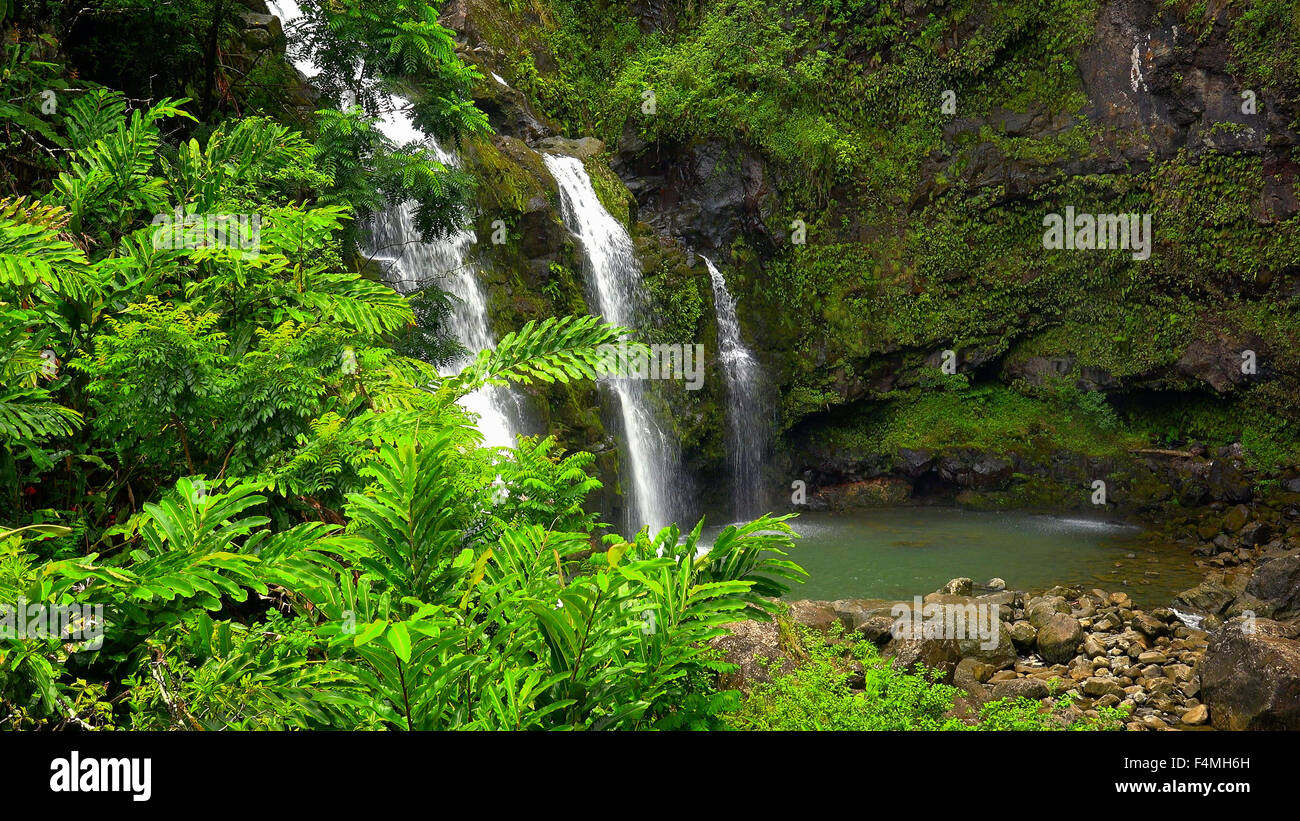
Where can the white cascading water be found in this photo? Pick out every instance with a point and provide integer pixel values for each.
(412, 264)
(747, 427)
(614, 278)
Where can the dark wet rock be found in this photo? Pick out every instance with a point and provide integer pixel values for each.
(1038, 370)
(975, 471)
(1235, 519)
(1217, 363)
(583, 149)
(1226, 483)
(1250, 679)
(1277, 583)
(510, 113)
(1255, 534)
(913, 463)
(1212, 595)
(705, 194)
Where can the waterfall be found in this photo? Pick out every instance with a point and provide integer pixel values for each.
(411, 263)
(746, 417)
(651, 453)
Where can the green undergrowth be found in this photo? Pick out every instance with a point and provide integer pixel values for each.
(816, 696)
(990, 418)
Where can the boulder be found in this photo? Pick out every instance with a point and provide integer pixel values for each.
(1149, 626)
(819, 615)
(1256, 534)
(1093, 646)
(1000, 655)
(913, 463)
(959, 587)
(1099, 686)
(1236, 518)
(1226, 483)
(941, 655)
(749, 644)
(870, 619)
(970, 675)
(1212, 595)
(1250, 678)
(1023, 635)
(1031, 688)
(1058, 638)
(1039, 610)
(1277, 582)
(1216, 362)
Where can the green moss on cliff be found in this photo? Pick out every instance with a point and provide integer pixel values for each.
(992, 419)
(924, 225)
(610, 190)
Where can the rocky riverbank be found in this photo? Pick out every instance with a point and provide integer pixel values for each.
(1091, 645)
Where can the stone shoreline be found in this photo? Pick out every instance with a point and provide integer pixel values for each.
(1241, 671)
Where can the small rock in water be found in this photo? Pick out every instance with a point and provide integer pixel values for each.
(959, 587)
(996, 584)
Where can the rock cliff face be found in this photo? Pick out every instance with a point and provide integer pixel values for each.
(1143, 109)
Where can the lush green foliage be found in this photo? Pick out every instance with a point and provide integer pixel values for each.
(816, 696)
(924, 224)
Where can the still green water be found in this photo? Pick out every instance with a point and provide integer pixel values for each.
(901, 552)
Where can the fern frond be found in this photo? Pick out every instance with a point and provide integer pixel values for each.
(560, 349)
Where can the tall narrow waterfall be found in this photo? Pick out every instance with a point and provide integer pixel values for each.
(410, 263)
(747, 428)
(651, 455)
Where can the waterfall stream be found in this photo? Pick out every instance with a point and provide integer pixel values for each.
(747, 427)
(410, 263)
(652, 455)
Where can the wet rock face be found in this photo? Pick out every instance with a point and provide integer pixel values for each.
(1250, 678)
(509, 112)
(655, 15)
(1216, 363)
(705, 195)
(1147, 76)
